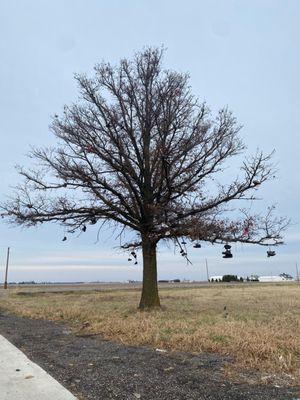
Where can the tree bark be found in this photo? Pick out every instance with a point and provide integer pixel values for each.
(150, 298)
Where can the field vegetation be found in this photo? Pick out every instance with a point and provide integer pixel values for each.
(258, 325)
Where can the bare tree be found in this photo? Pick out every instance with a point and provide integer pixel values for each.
(138, 149)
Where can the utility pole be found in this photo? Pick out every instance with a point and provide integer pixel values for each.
(297, 272)
(207, 274)
(6, 269)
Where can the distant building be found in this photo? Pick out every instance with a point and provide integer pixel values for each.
(276, 278)
(217, 278)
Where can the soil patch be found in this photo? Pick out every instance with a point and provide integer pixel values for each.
(94, 369)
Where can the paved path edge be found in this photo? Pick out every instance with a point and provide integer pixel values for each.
(22, 379)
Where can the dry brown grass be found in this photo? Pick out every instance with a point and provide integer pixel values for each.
(261, 330)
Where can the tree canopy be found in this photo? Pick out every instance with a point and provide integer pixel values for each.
(140, 150)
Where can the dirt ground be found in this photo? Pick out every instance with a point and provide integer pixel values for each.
(95, 369)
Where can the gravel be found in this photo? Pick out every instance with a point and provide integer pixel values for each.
(93, 369)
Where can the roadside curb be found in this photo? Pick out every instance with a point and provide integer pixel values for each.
(21, 379)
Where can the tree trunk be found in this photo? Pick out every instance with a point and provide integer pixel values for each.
(150, 298)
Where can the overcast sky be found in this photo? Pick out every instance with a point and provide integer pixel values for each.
(243, 53)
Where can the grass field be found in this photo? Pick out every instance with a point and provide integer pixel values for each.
(258, 325)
